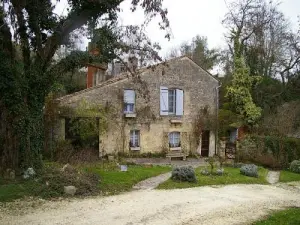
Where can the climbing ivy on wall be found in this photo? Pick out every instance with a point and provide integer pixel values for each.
(239, 91)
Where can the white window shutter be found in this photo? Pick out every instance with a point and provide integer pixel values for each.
(129, 96)
(179, 102)
(164, 103)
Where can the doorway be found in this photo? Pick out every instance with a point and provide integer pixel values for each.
(205, 143)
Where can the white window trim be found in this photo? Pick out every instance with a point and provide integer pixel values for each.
(172, 139)
(129, 99)
(135, 135)
(177, 100)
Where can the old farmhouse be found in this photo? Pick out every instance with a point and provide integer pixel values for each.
(156, 111)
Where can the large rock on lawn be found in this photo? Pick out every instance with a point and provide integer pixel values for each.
(70, 190)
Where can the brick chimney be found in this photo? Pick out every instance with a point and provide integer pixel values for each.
(95, 72)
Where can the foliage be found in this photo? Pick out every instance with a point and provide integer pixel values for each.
(239, 92)
(50, 183)
(199, 52)
(261, 45)
(184, 173)
(282, 121)
(268, 93)
(63, 151)
(113, 181)
(287, 216)
(288, 176)
(53, 180)
(285, 149)
(212, 163)
(226, 118)
(232, 176)
(204, 120)
(142, 155)
(28, 70)
(295, 166)
(87, 122)
(250, 170)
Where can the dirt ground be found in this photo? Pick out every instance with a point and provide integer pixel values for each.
(232, 204)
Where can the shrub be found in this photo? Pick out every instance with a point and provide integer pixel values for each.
(212, 163)
(250, 170)
(295, 166)
(205, 172)
(52, 181)
(220, 172)
(270, 151)
(185, 173)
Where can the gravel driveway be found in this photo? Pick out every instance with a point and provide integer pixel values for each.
(232, 204)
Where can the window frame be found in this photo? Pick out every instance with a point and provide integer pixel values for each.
(134, 141)
(174, 141)
(127, 105)
(173, 98)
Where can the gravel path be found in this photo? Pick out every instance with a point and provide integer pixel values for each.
(273, 177)
(152, 182)
(218, 205)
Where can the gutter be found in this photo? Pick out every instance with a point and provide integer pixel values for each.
(217, 116)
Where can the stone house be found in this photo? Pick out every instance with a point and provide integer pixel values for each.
(155, 111)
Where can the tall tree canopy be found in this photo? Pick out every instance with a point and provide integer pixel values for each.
(199, 51)
(261, 40)
(30, 34)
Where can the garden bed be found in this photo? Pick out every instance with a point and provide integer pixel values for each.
(112, 181)
(231, 176)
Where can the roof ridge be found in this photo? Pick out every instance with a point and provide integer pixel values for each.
(125, 75)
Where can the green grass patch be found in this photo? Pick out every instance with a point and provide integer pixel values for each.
(285, 217)
(14, 190)
(288, 176)
(232, 176)
(113, 181)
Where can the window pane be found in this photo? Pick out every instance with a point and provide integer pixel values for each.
(174, 139)
(134, 138)
(128, 108)
(172, 97)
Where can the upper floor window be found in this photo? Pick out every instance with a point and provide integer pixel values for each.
(171, 101)
(129, 101)
(174, 139)
(134, 138)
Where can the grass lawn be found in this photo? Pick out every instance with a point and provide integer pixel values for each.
(232, 176)
(15, 190)
(286, 217)
(287, 176)
(113, 181)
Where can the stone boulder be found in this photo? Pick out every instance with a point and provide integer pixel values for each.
(70, 190)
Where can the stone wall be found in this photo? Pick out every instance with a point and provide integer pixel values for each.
(199, 91)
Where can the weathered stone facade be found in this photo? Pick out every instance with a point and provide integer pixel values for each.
(199, 88)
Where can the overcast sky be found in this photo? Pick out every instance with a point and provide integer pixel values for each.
(189, 18)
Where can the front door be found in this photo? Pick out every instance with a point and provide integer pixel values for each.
(205, 143)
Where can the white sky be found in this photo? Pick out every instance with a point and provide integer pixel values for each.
(189, 18)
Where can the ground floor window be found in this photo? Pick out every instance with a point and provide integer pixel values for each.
(174, 139)
(134, 138)
(128, 108)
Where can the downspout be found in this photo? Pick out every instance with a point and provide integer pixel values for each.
(217, 116)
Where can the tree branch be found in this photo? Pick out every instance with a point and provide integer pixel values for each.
(22, 30)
